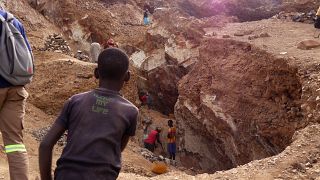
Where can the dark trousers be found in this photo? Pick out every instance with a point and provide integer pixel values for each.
(150, 147)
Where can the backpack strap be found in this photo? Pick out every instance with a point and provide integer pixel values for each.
(2, 19)
(10, 17)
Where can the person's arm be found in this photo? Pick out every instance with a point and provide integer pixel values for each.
(131, 131)
(124, 142)
(158, 139)
(53, 135)
(45, 150)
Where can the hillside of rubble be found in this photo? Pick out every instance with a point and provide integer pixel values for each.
(240, 79)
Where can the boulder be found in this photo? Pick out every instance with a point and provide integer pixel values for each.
(181, 50)
(138, 58)
(308, 44)
(165, 67)
(243, 33)
(234, 106)
(155, 59)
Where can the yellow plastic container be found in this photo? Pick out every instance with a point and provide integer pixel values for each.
(159, 167)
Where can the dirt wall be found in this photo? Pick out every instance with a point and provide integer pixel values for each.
(236, 105)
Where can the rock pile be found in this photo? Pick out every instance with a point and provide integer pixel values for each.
(308, 44)
(56, 43)
(40, 133)
(81, 56)
(262, 35)
(150, 156)
(297, 16)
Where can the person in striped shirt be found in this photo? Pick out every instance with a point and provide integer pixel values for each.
(172, 141)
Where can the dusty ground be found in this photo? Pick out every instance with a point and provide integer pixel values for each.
(283, 43)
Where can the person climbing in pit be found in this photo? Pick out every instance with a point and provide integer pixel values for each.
(153, 137)
(143, 98)
(149, 101)
(172, 142)
(95, 50)
(99, 124)
(146, 20)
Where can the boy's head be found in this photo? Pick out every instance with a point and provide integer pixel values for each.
(170, 123)
(159, 129)
(113, 64)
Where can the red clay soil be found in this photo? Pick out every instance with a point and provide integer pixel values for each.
(237, 104)
(58, 77)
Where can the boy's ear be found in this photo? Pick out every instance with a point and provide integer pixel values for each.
(96, 73)
(127, 76)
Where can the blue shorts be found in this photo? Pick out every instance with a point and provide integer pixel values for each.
(172, 148)
(146, 21)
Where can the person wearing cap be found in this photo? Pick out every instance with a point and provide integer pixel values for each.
(153, 137)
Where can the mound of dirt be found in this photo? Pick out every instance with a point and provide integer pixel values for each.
(36, 26)
(245, 10)
(81, 23)
(238, 104)
(300, 5)
(58, 77)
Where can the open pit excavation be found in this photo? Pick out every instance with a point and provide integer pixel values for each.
(239, 79)
(244, 101)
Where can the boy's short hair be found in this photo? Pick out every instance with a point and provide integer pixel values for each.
(113, 63)
(159, 129)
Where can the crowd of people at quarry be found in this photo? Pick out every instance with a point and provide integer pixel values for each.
(99, 122)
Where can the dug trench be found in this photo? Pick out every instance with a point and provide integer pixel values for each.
(236, 104)
(233, 104)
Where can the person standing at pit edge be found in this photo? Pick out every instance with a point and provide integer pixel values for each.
(95, 50)
(172, 142)
(14, 43)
